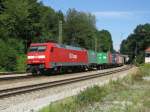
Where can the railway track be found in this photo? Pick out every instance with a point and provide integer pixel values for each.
(29, 88)
(11, 73)
(12, 76)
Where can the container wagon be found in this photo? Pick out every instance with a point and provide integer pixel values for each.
(102, 60)
(92, 59)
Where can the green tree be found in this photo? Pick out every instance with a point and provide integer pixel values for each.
(105, 41)
(136, 43)
(80, 29)
(28, 20)
(1, 6)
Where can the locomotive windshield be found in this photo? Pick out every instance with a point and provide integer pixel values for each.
(37, 48)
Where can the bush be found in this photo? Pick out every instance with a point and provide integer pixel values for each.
(7, 56)
(145, 69)
(2, 69)
(90, 95)
(21, 63)
(137, 75)
(9, 50)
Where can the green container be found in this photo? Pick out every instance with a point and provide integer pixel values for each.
(92, 57)
(102, 58)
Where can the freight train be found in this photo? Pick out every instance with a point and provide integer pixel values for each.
(52, 57)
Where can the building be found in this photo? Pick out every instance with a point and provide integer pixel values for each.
(126, 58)
(147, 55)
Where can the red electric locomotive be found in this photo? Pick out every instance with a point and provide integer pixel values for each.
(49, 56)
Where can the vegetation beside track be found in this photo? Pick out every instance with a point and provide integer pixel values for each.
(130, 94)
(145, 69)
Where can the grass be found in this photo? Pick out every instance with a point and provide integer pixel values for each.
(130, 94)
(73, 104)
(145, 69)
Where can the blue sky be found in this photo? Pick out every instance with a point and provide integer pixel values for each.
(120, 17)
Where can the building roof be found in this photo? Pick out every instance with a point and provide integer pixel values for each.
(148, 49)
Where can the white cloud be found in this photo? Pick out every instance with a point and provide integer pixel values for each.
(111, 14)
(119, 14)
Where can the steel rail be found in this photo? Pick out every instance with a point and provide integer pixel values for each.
(16, 76)
(29, 88)
(11, 73)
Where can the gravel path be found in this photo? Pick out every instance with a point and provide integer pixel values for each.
(31, 102)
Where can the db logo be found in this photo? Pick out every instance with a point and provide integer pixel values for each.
(72, 56)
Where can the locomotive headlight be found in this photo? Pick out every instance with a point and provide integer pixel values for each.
(30, 57)
(41, 56)
(36, 57)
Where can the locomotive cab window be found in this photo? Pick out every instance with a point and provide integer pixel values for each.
(33, 49)
(41, 48)
(37, 48)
